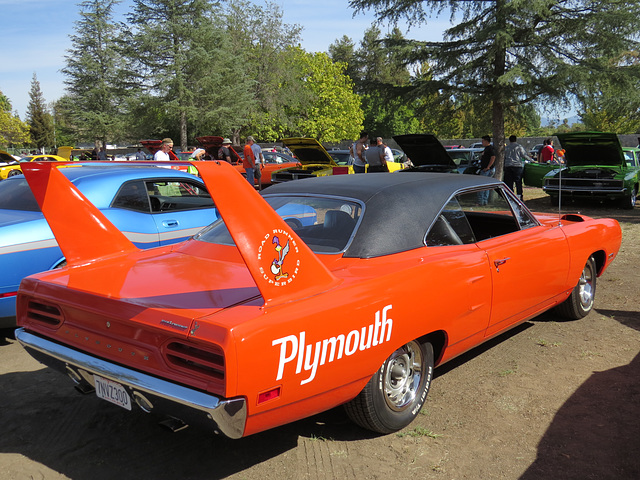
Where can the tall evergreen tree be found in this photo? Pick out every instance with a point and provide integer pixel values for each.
(94, 71)
(182, 61)
(261, 43)
(344, 50)
(38, 118)
(381, 75)
(510, 52)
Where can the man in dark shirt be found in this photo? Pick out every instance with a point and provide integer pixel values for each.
(224, 153)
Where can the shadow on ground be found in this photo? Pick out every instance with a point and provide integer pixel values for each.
(595, 434)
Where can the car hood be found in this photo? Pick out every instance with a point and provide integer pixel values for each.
(6, 159)
(309, 151)
(424, 149)
(591, 148)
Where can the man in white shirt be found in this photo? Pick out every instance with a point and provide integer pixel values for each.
(388, 154)
(163, 153)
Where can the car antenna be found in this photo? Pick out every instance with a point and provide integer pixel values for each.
(560, 197)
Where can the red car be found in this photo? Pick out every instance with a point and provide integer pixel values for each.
(340, 290)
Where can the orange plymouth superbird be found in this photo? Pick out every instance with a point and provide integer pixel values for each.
(341, 290)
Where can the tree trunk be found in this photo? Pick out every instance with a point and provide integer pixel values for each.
(183, 130)
(498, 100)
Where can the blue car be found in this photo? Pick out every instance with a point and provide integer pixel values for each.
(153, 206)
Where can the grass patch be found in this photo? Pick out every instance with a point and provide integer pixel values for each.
(419, 432)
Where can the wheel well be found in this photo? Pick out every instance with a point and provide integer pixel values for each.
(439, 341)
(600, 259)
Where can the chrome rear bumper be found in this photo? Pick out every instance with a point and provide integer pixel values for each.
(150, 393)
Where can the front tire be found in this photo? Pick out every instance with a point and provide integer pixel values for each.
(395, 394)
(583, 296)
(13, 173)
(630, 201)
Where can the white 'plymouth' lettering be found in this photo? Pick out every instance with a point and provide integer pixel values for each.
(310, 357)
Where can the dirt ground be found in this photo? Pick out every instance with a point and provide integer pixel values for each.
(550, 399)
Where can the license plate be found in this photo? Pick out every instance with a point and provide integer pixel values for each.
(112, 392)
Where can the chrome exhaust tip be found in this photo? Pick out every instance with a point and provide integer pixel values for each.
(173, 424)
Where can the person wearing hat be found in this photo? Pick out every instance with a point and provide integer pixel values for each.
(225, 152)
(163, 153)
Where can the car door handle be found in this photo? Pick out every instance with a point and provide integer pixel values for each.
(502, 261)
(170, 223)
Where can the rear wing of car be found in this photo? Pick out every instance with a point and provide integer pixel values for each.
(283, 266)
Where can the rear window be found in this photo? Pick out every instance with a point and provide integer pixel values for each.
(326, 225)
(15, 194)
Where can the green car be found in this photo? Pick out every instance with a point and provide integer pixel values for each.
(534, 173)
(596, 167)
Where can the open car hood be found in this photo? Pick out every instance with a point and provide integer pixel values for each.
(6, 159)
(309, 151)
(424, 149)
(211, 144)
(154, 145)
(591, 148)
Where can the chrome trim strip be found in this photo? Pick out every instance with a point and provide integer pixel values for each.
(594, 190)
(28, 246)
(229, 415)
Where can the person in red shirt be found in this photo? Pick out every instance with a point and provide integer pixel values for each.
(547, 153)
(249, 160)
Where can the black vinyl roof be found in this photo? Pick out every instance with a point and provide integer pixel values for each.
(399, 207)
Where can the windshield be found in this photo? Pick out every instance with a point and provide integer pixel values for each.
(326, 225)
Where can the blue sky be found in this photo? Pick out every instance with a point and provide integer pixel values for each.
(35, 37)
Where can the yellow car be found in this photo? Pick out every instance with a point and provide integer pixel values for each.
(9, 168)
(343, 158)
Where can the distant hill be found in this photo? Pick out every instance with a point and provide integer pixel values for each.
(546, 121)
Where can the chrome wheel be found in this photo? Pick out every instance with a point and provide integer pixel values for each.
(582, 297)
(586, 290)
(395, 394)
(401, 376)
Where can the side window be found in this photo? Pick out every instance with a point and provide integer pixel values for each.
(630, 158)
(465, 221)
(132, 196)
(171, 195)
(451, 227)
(489, 213)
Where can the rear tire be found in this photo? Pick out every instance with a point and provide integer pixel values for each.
(394, 395)
(583, 296)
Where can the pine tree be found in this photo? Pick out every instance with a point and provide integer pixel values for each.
(95, 73)
(180, 58)
(38, 119)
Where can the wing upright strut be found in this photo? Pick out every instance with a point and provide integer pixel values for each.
(81, 230)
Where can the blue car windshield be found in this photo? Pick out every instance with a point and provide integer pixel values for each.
(326, 225)
(15, 194)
